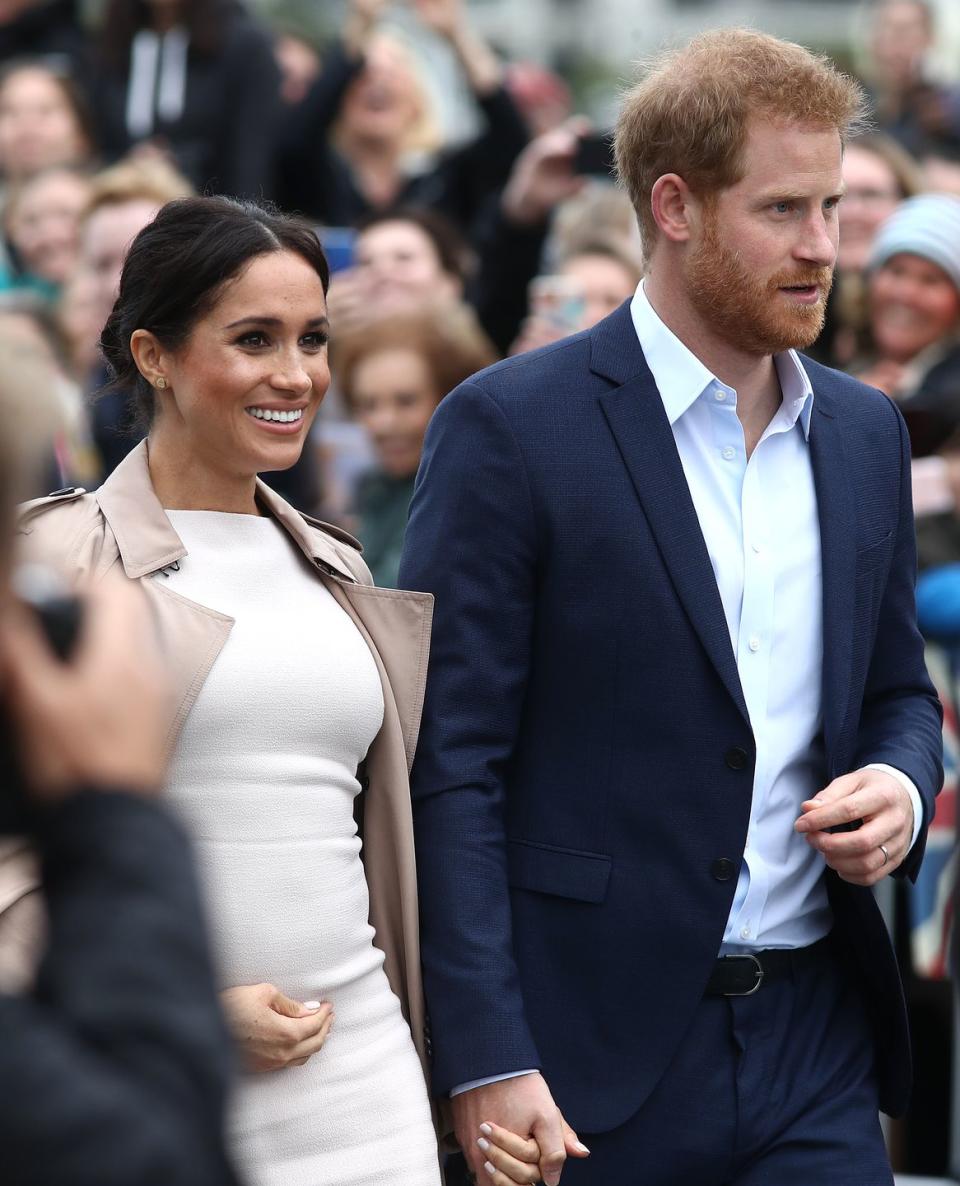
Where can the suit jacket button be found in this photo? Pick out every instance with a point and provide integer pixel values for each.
(736, 758)
(722, 869)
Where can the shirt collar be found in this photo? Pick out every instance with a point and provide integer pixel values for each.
(682, 379)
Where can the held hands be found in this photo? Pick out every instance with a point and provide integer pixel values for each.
(512, 1132)
(271, 1030)
(881, 802)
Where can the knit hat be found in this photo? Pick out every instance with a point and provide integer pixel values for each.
(928, 226)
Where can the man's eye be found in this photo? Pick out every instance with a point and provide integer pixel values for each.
(782, 207)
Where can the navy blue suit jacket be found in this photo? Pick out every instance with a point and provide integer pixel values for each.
(586, 755)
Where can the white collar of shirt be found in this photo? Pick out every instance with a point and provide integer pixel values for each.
(682, 378)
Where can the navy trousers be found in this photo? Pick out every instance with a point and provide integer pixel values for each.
(774, 1089)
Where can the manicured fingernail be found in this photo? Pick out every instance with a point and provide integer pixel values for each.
(490, 1168)
(483, 1143)
(552, 1178)
(581, 1146)
(486, 1130)
(314, 1005)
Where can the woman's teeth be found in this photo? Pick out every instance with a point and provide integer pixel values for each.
(280, 417)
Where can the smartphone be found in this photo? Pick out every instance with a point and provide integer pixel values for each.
(559, 302)
(594, 155)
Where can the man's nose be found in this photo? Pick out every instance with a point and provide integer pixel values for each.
(818, 244)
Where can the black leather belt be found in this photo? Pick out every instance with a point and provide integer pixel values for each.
(742, 975)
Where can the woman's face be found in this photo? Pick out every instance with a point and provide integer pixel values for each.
(38, 127)
(384, 101)
(244, 388)
(400, 263)
(393, 396)
(913, 304)
(604, 283)
(871, 195)
(45, 224)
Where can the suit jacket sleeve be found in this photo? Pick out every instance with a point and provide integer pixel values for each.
(115, 1069)
(471, 542)
(901, 718)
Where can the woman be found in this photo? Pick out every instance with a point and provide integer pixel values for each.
(365, 139)
(43, 121)
(196, 80)
(392, 375)
(298, 687)
(42, 224)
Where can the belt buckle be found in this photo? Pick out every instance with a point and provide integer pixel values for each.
(759, 969)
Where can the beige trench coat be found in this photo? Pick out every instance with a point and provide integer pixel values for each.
(122, 527)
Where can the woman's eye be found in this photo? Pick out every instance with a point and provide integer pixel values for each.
(315, 341)
(253, 338)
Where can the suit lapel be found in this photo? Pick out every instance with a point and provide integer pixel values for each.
(636, 416)
(837, 514)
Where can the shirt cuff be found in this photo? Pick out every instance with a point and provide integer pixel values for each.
(910, 788)
(462, 1087)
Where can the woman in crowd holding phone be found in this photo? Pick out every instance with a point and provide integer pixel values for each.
(297, 693)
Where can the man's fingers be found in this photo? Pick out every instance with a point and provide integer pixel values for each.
(571, 1142)
(855, 806)
(548, 1134)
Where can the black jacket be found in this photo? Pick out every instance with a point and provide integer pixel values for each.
(114, 1071)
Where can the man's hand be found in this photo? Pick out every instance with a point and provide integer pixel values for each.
(525, 1107)
(881, 802)
(273, 1031)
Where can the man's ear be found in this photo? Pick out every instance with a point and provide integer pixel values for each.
(670, 202)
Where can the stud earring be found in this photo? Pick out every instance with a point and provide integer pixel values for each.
(162, 383)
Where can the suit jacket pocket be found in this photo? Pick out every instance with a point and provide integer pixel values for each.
(564, 872)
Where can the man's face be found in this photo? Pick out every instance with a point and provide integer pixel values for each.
(760, 264)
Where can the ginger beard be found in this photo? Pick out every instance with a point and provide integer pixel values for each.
(745, 309)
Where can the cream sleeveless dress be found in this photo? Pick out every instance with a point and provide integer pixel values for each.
(264, 778)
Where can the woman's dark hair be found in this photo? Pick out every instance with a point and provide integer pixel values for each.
(206, 22)
(454, 252)
(176, 269)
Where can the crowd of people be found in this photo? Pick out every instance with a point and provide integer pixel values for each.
(159, 177)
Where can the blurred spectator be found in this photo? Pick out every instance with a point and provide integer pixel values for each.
(48, 29)
(77, 312)
(393, 374)
(542, 96)
(115, 1058)
(31, 328)
(196, 80)
(941, 170)
(42, 222)
(592, 281)
(914, 313)
(878, 175)
(299, 65)
(43, 121)
(365, 137)
(908, 104)
(123, 200)
(401, 259)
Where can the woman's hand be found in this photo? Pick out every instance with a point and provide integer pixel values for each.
(271, 1030)
(510, 1160)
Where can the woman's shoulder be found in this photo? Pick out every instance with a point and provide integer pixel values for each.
(66, 527)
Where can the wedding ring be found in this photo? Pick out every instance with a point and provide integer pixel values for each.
(886, 855)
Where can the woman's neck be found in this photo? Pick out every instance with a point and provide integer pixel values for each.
(183, 482)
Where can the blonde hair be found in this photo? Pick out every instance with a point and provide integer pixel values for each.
(690, 112)
(135, 181)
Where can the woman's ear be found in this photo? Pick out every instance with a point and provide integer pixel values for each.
(150, 358)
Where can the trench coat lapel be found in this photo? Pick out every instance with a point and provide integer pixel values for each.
(635, 414)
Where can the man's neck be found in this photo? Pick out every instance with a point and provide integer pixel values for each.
(754, 377)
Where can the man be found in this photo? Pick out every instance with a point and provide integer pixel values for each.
(674, 652)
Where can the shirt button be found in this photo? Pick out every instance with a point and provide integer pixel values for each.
(729, 453)
(719, 396)
(744, 932)
(754, 643)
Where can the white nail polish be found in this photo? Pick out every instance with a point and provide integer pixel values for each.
(486, 1130)
(490, 1168)
(483, 1143)
(581, 1146)
(311, 1004)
